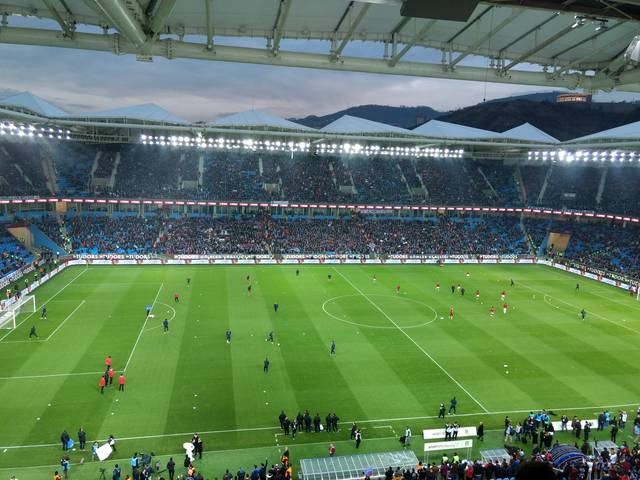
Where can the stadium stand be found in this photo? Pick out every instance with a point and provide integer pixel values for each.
(12, 255)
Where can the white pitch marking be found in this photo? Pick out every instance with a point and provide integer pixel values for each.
(126, 365)
(413, 341)
(42, 305)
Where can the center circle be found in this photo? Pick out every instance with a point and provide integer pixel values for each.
(358, 302)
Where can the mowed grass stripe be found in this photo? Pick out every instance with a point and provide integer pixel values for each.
(103, 332)
(378, 367)
(318, 382)
(427, 354)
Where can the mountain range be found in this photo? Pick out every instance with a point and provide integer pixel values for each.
(563, 121)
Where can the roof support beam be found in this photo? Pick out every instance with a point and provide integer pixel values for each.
(208, 6)
(527, 33)
(579, 61)
(343, 17)
(514, 15)
(408, 46)
(67, 29)
(628, 81)
(588, 39)
(352, 29)
(159, 19)
(401, 24)
(120, 18)
(278, 26)
(542, 45)
(472, 22)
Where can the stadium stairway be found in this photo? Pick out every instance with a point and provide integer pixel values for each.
(41, 240)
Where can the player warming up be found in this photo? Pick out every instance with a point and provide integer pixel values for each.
(276, 307)
(398, 288)
(228, 335)
(333, 347)
(504, 308)
(503, 295)
(492, 311)
(451, 313)
(265, 365)
(176, 297)
(477, 294)
(32, 332)
(583, 314)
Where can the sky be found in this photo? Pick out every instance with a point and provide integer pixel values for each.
(81, 81)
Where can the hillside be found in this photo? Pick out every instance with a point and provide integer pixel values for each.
(405, 117)
(561, 120)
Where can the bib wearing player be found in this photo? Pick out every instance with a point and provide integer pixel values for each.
(503, 295)
(492, 311)
(451, 313)
(504, 308)
(437, 287)
(477, 294)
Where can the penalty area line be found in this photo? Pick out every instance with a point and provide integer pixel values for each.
(412, 340)
(42, 305)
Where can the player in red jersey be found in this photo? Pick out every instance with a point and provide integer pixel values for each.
(492, 311)
(102, 384)
(107, 361)
(477, 294)
(451, 313)
(504, 308)
(176, 297)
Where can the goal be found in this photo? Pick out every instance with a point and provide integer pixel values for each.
(26, 304)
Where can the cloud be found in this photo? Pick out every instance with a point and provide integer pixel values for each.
(199, 90)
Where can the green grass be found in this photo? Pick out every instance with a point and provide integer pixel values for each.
(397, 359)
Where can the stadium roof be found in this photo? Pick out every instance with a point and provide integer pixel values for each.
(630, 131)
(349, 124)
(555, 43)
(148, 112)
(253, 118)
(528, 132)
(439, 129)
(33, 104)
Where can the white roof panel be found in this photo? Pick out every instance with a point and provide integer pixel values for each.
(349, 124)
(528, 132)
(631, 130)
(34, 104)
(439, 129)
(148, 112)
(254, 118)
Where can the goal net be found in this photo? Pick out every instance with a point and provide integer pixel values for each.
(26, 304)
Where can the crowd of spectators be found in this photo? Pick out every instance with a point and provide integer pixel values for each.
(12, 255)
(129, 235)
(159, 172)
(605, 246)
(21, 170)
(573, 187)
(262, 234)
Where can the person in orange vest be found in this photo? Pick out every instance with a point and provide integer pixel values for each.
(56, 475)
(121, 383)
(102, 384)
(107, 361)
(288, 474)
(110, 374)
(332, 450)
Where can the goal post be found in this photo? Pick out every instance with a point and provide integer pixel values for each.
(26, 304)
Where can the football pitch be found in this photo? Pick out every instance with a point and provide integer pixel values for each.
(398, 355)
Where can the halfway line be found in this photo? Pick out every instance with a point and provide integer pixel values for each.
(412, 340)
